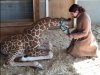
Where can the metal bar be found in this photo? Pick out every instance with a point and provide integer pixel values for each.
(47, 8)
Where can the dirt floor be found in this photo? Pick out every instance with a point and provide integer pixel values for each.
(62, 63)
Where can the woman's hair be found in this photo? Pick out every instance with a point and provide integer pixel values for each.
(76, 7)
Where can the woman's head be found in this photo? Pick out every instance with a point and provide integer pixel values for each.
(75, 9)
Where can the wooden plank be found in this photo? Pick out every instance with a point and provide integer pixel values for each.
(15, 24)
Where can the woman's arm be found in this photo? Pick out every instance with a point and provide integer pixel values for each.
(86, 25)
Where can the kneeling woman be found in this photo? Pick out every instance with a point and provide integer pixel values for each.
(83, 41)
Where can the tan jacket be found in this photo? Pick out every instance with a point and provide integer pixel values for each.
(84, 43)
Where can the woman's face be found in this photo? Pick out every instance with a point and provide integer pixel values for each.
(74, 14)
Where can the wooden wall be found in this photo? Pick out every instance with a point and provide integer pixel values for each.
(7, 29)
(59, 8)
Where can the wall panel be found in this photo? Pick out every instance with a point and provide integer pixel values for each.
(59, 8)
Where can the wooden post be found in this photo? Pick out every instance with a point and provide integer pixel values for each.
(36, 11)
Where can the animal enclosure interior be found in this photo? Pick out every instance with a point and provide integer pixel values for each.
(19, 15)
